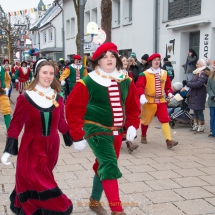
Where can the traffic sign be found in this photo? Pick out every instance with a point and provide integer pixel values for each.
(100, 38)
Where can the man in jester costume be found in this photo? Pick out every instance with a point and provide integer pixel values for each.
(152, 85)
(96, 110)
(75, 73)
(5, 108)
(23, 76)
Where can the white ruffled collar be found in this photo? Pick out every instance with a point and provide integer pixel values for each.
(76, 66)
(198, 70)
(106, 82)
(43, 89)
(158, 71)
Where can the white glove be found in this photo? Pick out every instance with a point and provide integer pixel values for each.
(143, 99)
(79, 145)
(131, 133)
(6, 91)
(29, 81)
(62, 83)
(5, 157)
(170, 95)
(16, 80)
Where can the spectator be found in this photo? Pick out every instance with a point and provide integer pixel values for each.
(144, 63)
(198, 94)
(169, 68)
(190, 64)
(211, 100)
(133, 70)
(133, 55)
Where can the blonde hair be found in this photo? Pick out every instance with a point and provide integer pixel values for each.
(133, 61)
(55, 85)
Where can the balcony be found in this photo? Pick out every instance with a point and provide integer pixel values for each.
(179, 9)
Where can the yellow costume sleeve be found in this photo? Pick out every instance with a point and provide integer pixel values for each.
(7, 80)
(65, 74)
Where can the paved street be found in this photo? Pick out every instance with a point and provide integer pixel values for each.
(156, 181)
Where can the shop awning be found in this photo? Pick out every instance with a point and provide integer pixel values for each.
(204, 21)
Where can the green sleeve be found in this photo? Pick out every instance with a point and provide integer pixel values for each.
(17, 74)
(142, 74)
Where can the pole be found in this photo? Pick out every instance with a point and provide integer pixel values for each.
(81, 14)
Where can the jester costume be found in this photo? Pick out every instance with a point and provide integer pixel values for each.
(97, 109)
(74, 73)
(5, 108)
(154, 84)
(23, 76)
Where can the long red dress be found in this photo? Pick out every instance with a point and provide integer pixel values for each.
(36, 192)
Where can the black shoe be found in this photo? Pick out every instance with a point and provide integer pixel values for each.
(211, 135)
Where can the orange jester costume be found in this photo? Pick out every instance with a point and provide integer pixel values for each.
(152, 86)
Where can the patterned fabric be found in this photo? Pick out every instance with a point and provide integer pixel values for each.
(114, 95)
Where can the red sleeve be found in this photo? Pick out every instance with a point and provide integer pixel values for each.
(168, 86)
(63, 127)
(18, 119)
(76, 106)
(132, 107)
(140, 84)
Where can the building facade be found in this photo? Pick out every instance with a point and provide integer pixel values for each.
(47, 36)
(169, 27)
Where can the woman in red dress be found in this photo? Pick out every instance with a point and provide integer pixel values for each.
(41, 111)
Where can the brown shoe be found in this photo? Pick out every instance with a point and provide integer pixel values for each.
(96, 206)
(144, 140)
(118, 213)
(171, 143)
(131, 146)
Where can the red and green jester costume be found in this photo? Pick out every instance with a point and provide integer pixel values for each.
(97, 109)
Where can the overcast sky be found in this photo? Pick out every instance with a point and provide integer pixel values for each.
(14, 5)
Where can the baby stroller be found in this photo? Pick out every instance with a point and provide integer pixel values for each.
(181, 114)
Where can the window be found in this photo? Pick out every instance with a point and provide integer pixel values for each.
(128, 11)
(86, 20)
(178, 9)
(116, 13)
(50, 35)
(44, 37)
(194, 41)
(73, 28)
(35, 39)
(68, 30)
(94, 15)
(125, 52)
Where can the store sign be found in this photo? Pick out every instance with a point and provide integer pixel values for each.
(206, 45)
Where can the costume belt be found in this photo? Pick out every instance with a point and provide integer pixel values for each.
(113, 128)
(156, 97)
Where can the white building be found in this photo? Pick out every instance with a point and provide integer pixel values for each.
(47, 35)
(169, 27)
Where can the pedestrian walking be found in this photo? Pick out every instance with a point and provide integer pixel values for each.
(96, 110)
(152, 86)
(41, 111)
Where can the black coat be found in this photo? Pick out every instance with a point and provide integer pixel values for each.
(169, 68)
(198, 91)
(144, 67)
(135, 72)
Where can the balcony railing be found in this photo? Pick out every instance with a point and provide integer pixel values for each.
(183, 8)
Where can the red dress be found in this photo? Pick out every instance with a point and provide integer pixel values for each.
(36, 191)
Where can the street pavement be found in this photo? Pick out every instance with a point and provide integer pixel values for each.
(156, 181)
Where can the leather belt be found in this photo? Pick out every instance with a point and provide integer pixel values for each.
(112, 128)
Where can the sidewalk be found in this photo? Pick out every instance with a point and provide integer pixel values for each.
(156, 181)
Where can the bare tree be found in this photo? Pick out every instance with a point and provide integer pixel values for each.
(106, 22)
(9, 33)
(77, 40)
